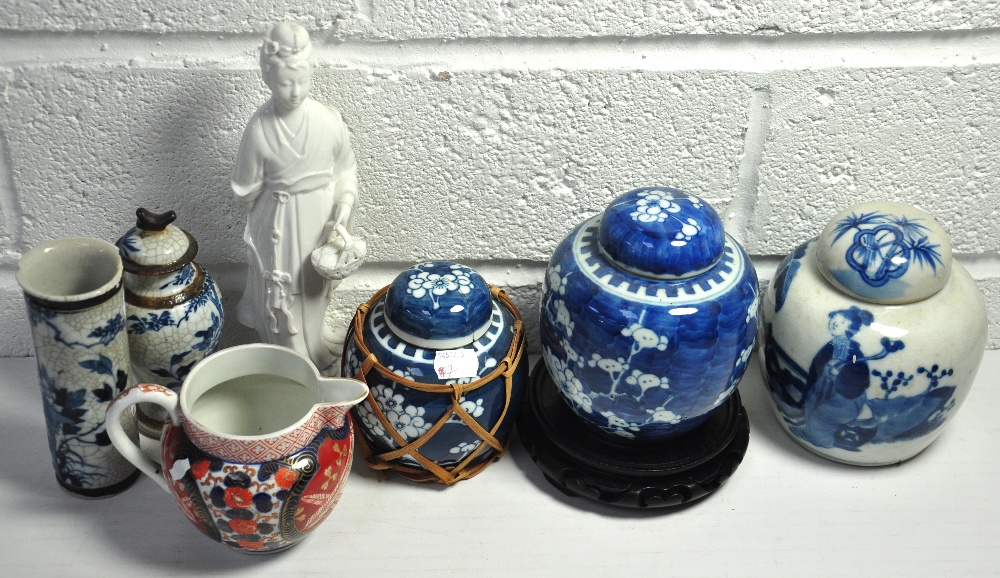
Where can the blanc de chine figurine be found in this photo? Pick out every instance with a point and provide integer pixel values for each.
(297, 173)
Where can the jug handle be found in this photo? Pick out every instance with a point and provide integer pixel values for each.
(140, 393)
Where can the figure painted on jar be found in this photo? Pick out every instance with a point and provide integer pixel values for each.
(297, 173)
(838, 377)
(835, 405)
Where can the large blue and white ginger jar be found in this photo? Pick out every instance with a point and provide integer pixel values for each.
(872, 335)
(649, 315)
(432, 313)
(173, 306)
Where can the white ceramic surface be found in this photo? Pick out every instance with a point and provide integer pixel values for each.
(885, 252)
(70, 270)
(297, 173)
(861, 382)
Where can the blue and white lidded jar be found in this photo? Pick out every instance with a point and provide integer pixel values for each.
(443, 356)
(173, 306)
(649, 315)
(872, 335)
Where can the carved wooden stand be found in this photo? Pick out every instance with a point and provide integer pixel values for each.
(582, 461)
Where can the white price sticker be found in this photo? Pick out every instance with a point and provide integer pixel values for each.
(456, 363)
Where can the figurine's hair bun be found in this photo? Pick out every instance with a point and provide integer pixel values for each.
(287, 44)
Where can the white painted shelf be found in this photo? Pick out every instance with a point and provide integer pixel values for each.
(785, 512)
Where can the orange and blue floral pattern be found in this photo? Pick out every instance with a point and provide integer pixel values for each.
(258, 506)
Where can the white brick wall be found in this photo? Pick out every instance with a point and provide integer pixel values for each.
(485, 129)
(435, 19)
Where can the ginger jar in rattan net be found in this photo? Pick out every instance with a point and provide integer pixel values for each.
(442, 353)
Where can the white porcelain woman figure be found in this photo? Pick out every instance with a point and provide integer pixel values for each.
(296, 170)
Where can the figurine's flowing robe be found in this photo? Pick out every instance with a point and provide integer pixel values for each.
(293, 180)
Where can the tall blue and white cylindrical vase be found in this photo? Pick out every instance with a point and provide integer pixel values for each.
(76, 308)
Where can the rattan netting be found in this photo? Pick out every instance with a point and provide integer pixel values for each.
(470, 465)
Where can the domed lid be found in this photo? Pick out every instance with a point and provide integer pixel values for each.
(661, 233)
(438, 305)
(885, 252)
(154, 246)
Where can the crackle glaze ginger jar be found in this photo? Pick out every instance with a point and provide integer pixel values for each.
(649, 315)
(257, 446)
(872, 335)
(443, 355)
(173, 306)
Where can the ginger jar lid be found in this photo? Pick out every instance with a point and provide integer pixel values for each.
(154, 246)
(439, 305)
(662, 233)
(885, 252)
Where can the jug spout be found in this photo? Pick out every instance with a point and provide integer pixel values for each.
(339, 395)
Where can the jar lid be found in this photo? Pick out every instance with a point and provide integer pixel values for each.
(885, 252)
(661, 233)
(438, 305)
(154, 246)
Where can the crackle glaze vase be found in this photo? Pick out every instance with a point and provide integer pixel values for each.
(649, 315)
(872, 335)
(442, 353)
(257, 445)
(73, 292)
